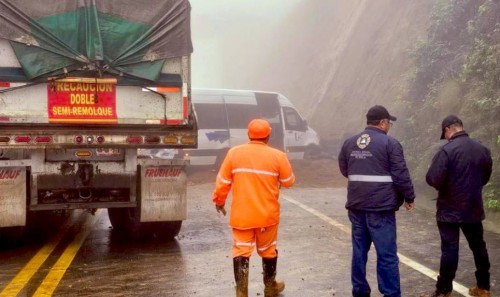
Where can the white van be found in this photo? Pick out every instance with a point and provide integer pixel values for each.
(223, 116)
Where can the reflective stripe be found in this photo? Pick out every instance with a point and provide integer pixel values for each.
(223, 180)
(248, 170)
(371, 178)
(244, 243)
(287, 179)
(266, 247)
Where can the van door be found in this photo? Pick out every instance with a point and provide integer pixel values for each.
(296, 129)
(270, 109)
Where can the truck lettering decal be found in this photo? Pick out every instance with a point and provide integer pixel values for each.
(82, 111)
(162, 172)
(81, 102)
(82, 87)
(9, 174)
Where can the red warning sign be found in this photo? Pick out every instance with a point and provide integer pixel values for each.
(82, 100)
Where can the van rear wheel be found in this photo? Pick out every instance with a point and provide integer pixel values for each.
(312, 152)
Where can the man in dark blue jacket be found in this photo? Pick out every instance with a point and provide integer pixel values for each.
(379, 183)
(459, 170)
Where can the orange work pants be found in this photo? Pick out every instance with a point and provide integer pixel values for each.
(263, 238)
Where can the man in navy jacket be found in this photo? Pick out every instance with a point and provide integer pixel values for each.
(459, 170)
(379, 183)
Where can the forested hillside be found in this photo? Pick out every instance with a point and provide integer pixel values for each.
(423, 60)
(457, 70)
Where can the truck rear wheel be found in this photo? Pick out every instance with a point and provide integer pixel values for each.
(127, 220)
(11, 236)
(166, 230)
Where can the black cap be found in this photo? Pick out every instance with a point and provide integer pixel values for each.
(378, 112)
(448, 121)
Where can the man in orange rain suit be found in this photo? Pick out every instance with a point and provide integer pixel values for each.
(255, 171)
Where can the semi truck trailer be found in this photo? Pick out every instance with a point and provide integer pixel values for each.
(84, 86)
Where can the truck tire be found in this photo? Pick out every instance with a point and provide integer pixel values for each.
(11, 236)
(125, 220)
(167, 230)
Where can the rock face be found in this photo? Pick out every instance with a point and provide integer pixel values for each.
(357, 56)
(333, 59)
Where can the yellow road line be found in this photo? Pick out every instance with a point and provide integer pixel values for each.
(461, 289)
(57, 272)
(22, 277)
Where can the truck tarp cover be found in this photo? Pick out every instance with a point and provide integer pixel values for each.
(128, 37)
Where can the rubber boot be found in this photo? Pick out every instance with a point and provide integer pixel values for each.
(240, 265)
(272, 287)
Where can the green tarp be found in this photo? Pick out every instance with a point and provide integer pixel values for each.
(129, 38)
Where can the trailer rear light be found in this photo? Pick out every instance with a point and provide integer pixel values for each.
(90, 139)
(83, 154)
(43, 139)
(152, 139)
(4, 84)
(170, 140)
(134, 139)
(188, 140)
(100, 139)
(4, 139)
(22, 139)
(79, 139)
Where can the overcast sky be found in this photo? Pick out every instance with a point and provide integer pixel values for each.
(229, 34)
(235, 9)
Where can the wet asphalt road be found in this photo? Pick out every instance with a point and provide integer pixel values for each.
(314, 246)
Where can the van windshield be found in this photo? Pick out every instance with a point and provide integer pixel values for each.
(293, 121)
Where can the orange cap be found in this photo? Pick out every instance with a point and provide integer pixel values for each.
(258, 129)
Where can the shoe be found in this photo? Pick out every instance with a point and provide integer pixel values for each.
(478, 292)
(241, 265)
(436, 294)
(272, 287)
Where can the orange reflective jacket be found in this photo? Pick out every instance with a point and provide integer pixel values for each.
(254, 171)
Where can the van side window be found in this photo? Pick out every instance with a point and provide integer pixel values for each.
(293, 121)
(211, 116)
(241, 114)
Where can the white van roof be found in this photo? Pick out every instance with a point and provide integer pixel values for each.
(227, 91)
(284, 101)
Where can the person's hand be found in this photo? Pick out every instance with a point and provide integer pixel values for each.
(220, 209)
(409, 207)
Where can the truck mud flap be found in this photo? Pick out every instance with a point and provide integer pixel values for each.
(163, 194)
(13, 190)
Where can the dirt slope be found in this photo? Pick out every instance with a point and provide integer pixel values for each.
(309, 174)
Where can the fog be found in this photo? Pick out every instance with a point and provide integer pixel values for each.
(286, 46)
(330, 58)
(231, 38)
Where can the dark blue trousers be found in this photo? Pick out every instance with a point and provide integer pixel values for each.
(450, 235)
(379, 228)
